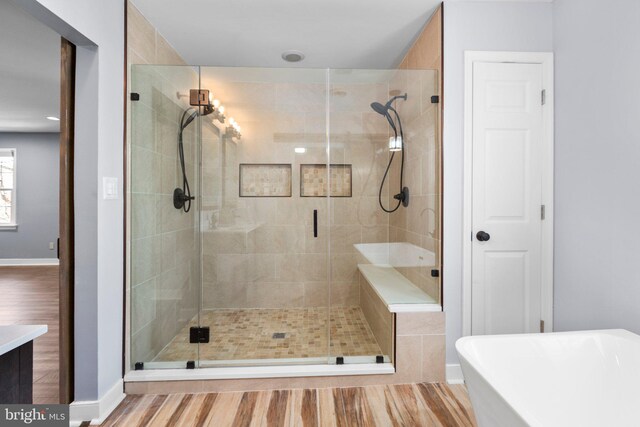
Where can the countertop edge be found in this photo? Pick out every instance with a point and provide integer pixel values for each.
(13, 336)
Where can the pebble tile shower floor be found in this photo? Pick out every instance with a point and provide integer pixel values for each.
(245, 334)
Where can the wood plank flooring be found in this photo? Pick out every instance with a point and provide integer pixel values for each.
(395, 405)
(29, 295)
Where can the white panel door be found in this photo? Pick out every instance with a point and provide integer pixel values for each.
(506, 198)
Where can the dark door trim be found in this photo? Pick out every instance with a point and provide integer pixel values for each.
(65, 243)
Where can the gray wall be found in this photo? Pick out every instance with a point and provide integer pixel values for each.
(597, 170)
(38, 163)
(97, 28)
(499, 26)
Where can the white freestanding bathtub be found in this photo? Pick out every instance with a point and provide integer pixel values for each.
(589, 378)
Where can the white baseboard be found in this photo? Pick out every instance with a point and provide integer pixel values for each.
(97, 411)
(454, 374)
(28, 261)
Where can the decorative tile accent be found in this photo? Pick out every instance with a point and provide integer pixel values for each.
(244, 334)
(313, 180)
(265, 180)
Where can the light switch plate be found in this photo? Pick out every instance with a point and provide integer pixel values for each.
(109, 188)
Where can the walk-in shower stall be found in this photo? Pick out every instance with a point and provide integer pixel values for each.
(257, 229)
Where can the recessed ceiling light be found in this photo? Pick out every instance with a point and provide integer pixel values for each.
(300, 150)
(55, 119)
(293, 56)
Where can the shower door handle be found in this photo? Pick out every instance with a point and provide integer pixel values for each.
(315, 223)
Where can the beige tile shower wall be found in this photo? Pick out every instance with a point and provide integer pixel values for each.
(163, 264)
(420, 223)
(260, 251)
(145, 45)
(426, 52)
(378, 317)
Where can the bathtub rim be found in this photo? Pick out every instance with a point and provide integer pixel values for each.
(462, 348)
(462, 343)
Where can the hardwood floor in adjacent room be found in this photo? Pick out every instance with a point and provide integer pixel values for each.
(29, 296)
(395, 405)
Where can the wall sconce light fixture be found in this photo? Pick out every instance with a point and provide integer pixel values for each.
(210, 106)
(233, 130)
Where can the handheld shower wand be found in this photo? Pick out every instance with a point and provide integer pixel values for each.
(182, 196)
(396, 143)
(200, 98)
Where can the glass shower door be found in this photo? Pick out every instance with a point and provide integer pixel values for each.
(165, 241)
(358, 138)
(265, 293)
(294, 213)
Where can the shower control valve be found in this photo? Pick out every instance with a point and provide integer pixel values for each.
(403, 196)
(180, 198)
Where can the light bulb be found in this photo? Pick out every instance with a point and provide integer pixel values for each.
(300, 150)
(395, 143)
(221, 109)
(232, 121)
(216, 103)
(238, 129)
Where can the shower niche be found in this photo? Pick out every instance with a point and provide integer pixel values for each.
(285, 255)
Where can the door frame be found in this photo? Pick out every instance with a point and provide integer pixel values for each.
(66, 221)
(546, 60)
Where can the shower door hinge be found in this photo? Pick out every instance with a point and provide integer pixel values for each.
(139, 366)
(199, 334)
(435, 99)
(542, 212)
(135, 96)
(435, 272)
(191, 364)
(541, 326)
(543, 97)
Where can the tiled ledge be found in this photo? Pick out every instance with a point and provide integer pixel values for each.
(397, 293)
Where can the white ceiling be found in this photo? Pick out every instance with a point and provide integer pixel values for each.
(29, 73)
(331, 33)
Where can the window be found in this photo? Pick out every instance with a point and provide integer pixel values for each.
(7, 188)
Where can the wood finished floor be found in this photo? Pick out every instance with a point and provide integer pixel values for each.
(29, 295)
(396, 405)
